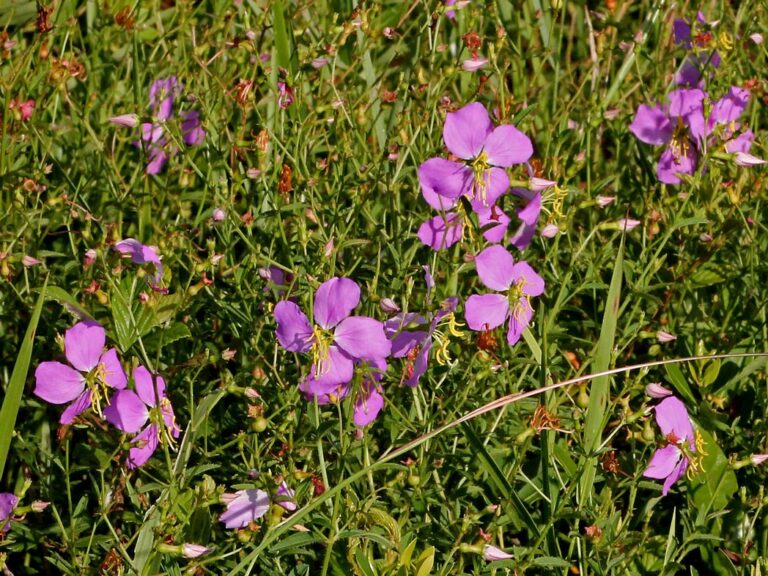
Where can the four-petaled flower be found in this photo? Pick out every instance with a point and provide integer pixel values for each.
(337, 339)
(671, 461)
(92, 372)
(498, 271)
(129, 411)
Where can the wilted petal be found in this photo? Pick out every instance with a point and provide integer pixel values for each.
(651, 125)
(335, 300)
(466, 129)
(145, 444)
(444, 178)
(442, 232)
(506, 146)
(114, 375)
(486, 311)
(519, 319)
(58, 383)
(126, 411)
(83, 345)
(672, 418)
(80, 405)
(663, 462)
(495, 267)
(249, 505)
(294, 332)
(362, 337)
(532, 283)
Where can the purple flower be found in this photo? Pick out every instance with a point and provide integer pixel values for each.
(284, 497)
(337, 338)
(92, 372)
(529, 217)
(161, 96)
(8, 502)
(285, 95)
(141, 254)
(498, 271)
(442, 232)
(244, 507)
(694, 37)
(469, 134)
(130, 410)
(191, 130)
(671, 461)
(416, 345)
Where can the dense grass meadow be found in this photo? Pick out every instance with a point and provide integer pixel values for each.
(383, 288)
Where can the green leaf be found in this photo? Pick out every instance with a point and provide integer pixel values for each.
(551, 562)
(67, 300)
(426, 561)
(15, 390)
(676, 377)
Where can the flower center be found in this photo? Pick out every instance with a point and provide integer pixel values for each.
(321, 345)
(96, 380)
(680, 143)
(516, 296)
(482, 176)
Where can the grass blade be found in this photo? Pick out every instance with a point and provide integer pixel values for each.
(13, 395)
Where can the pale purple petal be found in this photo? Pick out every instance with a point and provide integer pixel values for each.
(284, 497)
(742, 143)
(126, 411)
(83, 345)
(420, 364)
(731, 106)
(495, 267)
(8, 502)
(362, 337)
(58, 383)
(492, 554)
(323, 393)
(529, 215)
(145, 444)
(689, 74)
(675, 475)
(651, 125)
(249, 505)
(157, 159)
(161, 96)
(486, 311)
(682, 31)
(663, 462)
(335, 300)
(493, 221)
(336, 368)
(442, 232)
(684, 102)
(669, 167)
(494, 185)
(506, 146)
(114, 375)
(294, 332)
(191, 131)
(149, 389)
(672, 418)
(406, 341)
(519, 319)
(80, 405)
(533, 284)
(368, 404)
(466, 129)
(444, 178)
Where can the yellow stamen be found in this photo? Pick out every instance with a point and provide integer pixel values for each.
(321, 344)
(482, 176)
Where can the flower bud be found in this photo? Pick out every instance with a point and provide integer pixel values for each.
(491, 553)
(29, 261)
(219, 215)
(540, 184)
(126, 120)
(194, 550)
(474, 64)
(550, 231)
(39, 505)
(656, 390)
(758, 459)
(389, 306)
(746, 159)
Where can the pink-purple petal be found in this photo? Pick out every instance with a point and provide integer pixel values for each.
(519, 319)
(495, 267)
(145, 443)
(58, 383)
(362, 337)
(731, 106)
(114, 375)
(8, 502)
(742, 143)
(663, 462)
(442, 232)
(150, 389)
(83, 345)
(506, 146)
(334, 300)
(247, 506)
(672, 418)
(670, 166)
(466, 129)
(80, 405)
(533, 284)
(494, 185)
(486, 311)
(444, 178)
(675, 475)
(368, 404)
(651, 125)
(336, 368)
(494, 223)
(126, 411)
(294, 332)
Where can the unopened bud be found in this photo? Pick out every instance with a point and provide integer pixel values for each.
(656, 390)
(126, 120)
(39, 505)
(194, 550)
(491, 553)
(389, 306)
